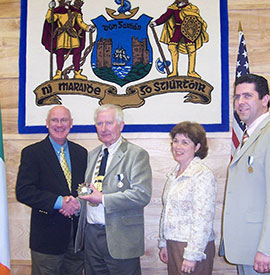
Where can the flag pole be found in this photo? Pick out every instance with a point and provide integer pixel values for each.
(4, 232)
(242, 67)
(240, 27)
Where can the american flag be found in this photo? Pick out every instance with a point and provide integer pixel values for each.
(242, 68)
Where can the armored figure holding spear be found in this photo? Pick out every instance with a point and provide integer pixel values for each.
(184, 31)
(64, 34)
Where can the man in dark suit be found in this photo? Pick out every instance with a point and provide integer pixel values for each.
(43, 185)
(111, 226)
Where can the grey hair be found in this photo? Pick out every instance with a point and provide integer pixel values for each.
(119, 115)
(49, 112)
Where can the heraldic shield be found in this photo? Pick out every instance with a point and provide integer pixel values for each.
(191, 27)
(122, 51)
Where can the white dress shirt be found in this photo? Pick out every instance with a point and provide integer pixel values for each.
(255, 123)
(95, 214)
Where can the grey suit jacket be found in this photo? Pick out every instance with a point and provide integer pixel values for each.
(246, 223)
(124, 215)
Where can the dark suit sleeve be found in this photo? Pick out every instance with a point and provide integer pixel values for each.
(31, 186)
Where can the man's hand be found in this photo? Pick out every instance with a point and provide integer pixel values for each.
(163, 254)
(52, 4)
(70, 206)
(262, 263)
(153, 24)
(95, 197)
(188, 266)
(91, 28)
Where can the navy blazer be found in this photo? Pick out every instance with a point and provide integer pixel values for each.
(40, 181)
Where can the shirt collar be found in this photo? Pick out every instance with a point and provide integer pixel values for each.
(112, 148)
(255, 123)
(188, 172)
(57, 147)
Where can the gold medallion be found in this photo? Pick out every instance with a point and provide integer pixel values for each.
(250, 169)
(98, 183)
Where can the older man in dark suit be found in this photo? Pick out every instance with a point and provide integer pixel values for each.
(47, 181)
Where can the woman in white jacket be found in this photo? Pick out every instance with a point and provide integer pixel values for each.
(186, 228)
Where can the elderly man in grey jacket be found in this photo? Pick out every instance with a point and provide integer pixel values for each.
(111, 225)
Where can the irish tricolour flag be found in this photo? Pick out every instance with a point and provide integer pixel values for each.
(4, 235)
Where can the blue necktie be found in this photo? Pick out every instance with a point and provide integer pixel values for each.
(103, 164)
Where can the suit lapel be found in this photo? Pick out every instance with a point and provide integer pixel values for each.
(118, 156)
(50, 157)
(250, 141)
(92, 160)
(73, 162)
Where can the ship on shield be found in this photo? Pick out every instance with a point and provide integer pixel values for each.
(120, 57)
(122, 52)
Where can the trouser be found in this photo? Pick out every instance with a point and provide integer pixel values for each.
(63, 264)
(98, 260)
(175, 259)
(60, 58)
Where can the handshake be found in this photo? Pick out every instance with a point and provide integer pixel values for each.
(70, 206)
(87, 192)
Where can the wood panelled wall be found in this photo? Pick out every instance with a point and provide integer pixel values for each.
(255, 19)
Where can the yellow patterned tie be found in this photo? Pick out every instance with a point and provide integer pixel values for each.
(65, 168)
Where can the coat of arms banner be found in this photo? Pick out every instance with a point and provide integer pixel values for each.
(163, 62)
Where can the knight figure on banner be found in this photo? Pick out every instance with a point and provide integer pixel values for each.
(122, 53)
(64, 34)
(184, 31)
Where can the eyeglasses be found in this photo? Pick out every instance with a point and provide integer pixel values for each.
(61, 120)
